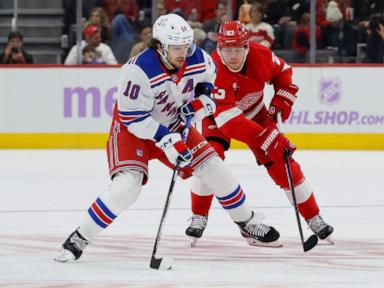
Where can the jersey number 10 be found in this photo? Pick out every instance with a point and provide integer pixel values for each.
(132, 92)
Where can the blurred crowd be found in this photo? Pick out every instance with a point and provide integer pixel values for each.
(115, 30)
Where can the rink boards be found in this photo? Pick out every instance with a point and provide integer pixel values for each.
(338, 107)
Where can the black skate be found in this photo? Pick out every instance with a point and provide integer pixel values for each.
(196, 228)
(321, 228)
(259, 234)
(72, 247)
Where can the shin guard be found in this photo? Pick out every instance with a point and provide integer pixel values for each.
(305, 198)
(216, 175)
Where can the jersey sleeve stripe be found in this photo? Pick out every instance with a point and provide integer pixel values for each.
(128, 117)
(194, 72)
(159, 83)
(130, 113)
(195, 67)
(127, 122)
(158, 78)
(227, 115)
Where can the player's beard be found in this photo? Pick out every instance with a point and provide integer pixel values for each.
(178, 63)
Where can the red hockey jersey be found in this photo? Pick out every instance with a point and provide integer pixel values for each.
(239, 95)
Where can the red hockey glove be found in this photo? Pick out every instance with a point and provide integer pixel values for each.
(283, 101)
(199, 108)
(174, 148)
(273, 143)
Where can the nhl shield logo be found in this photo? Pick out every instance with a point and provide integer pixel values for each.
(330, 91)
(174, 78)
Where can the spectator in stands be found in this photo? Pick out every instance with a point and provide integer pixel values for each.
(300, 41)
(160, 8)
(339, 34)
(375, 41)
(279, 16)
(193, 19)
(124, 31)
(14, 52)
(99, 17)
(244, 12)
(110, 7)
(297, 8)
(69, 7)
(211, 27)
(199, 36)
(260, 31)
(90, 55)
(207, 11)
(146, 36)
(129, 8)
(364, 9)
(92, 36)
(185, 6)
(180, 12)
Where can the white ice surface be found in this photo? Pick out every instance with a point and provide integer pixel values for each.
(43, 195)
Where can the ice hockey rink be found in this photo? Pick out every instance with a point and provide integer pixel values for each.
(44, 194)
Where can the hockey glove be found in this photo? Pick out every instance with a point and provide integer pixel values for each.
(199, 108)
(283, 101)
(174, 148)
(273, 143)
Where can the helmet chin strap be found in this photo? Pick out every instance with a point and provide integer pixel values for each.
(163, 55)
(242, 62)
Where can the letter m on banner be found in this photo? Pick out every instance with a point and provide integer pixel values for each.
(81, 93)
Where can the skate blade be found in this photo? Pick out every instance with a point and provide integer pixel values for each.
(327, 241)
(65, 256)
(194, 241)
(274, 244)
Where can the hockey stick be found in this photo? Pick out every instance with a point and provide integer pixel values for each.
(165, 263)
(312, 240)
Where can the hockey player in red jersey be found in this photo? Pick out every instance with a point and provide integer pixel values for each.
(243, 69)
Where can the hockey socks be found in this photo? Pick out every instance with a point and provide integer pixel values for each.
(306, 200)
(309, 208)
(236, 205)
(201, 204)
(100, 213)
(99, 216)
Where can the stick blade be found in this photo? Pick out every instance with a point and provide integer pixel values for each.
(164, 263)
(310, 243)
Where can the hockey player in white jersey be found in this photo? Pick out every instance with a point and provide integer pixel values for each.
(158, 88)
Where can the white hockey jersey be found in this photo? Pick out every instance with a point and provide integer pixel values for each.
(149, 97)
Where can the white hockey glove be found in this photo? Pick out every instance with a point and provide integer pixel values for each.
(199, 108)
(174, 148)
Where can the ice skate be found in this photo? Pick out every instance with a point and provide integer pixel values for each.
(196, 228)
(321, 229)
(72, 247)
(259, 234)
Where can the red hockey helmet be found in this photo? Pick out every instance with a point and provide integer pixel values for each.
(232, 34)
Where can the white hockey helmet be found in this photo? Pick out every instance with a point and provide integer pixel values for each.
(172, 29)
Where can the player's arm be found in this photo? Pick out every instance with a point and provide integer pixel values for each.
(203, 104)
(232, 122)
(135, 103)
(285, 91)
